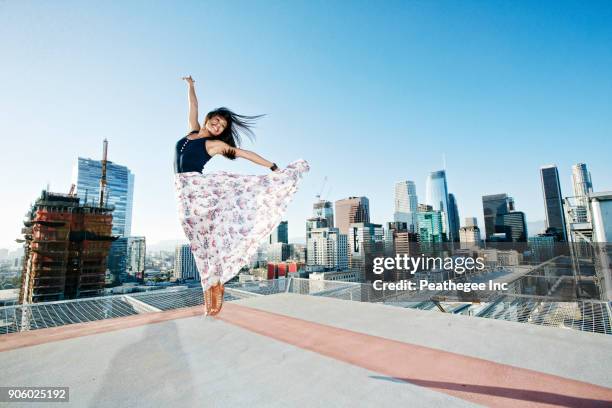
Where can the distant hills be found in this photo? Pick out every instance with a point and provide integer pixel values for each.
(165, 245)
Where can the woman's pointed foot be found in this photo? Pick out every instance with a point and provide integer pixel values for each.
(217, 294)
(208, 302)
(221, 297)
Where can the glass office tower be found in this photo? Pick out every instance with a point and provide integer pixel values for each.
(429, 226)
(406, 203)
(119, 190)
(436, 195)
(494, 205)
(514, 225)
(553, 204)
(86, 176)
(453, 217)
(280, 233)
(324, 209)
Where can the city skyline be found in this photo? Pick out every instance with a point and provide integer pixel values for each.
(479, 217)
(504, 90)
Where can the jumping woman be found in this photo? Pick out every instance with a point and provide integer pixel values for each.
(225, 215)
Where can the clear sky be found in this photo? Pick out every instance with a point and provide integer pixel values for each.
(368, 94)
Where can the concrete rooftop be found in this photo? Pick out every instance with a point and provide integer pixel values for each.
(309, 351)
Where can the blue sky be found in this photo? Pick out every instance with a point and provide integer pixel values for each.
(367, 94)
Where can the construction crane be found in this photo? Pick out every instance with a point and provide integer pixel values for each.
(329, 190)
(322, 187)
(71, 192)
(103, 178)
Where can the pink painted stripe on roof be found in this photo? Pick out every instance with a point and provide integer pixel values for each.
(477, 380)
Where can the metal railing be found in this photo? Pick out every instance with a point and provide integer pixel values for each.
(585, 315)
(24, 317)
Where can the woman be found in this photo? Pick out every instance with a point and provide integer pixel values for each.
(226, 215)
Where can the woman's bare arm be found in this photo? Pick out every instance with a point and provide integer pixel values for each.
(252, 156)
(219, 147)
(193, 104)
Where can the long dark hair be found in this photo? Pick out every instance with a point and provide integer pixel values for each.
(236, 125)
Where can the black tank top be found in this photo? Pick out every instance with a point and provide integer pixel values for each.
(191, 155)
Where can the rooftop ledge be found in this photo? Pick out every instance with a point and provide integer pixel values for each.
(288, 349)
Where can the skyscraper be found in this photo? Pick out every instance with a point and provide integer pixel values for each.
(66, 245)
(324, 209)
(502, 218)
(430, 228)
(469, 234)
(404, 241)
(280, 233)
(365, 242)
(514, 225)
(436, 195)
(582, 186)
(328, 248)
(351, 210)
(117, 261)
(184, 263)
(315, 222)
(581, 180)
(453, 218)
(405, 203)
(136, 257)
(119, 194)
(553, 204)
(493, 205)
(400, 240)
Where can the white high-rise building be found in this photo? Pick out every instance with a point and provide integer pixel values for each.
(581, 180)
(136, 257)
(582, 185)
(469, 234)
(406, 203)
(327, 247)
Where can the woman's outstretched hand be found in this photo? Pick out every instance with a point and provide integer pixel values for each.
(189, 79)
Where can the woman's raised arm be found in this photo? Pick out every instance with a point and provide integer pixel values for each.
(193, 104)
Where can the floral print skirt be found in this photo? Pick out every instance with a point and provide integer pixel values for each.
(226, 215)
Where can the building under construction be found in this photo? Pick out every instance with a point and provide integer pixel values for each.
(66, 247)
